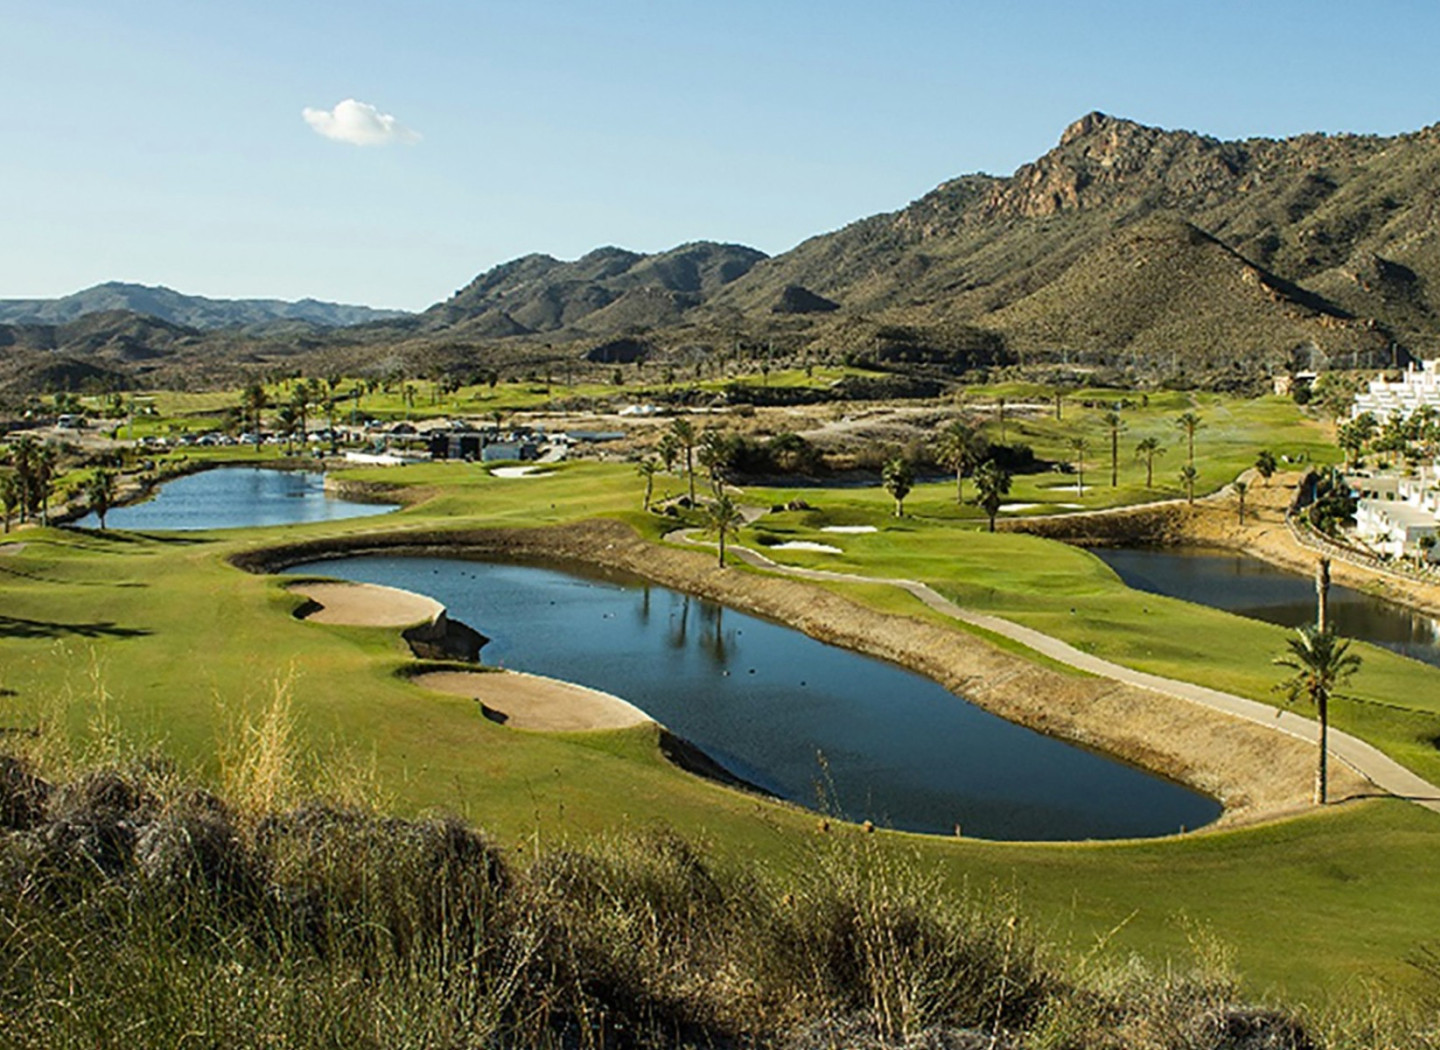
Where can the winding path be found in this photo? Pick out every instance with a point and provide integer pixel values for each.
(1370, 762)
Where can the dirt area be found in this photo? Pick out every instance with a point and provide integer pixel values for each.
(367, 605)
(1255, 772)
(527, 701)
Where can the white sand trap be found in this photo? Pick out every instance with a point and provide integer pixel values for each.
(367, 605)
(1069, 488)
(806, 545)
(528, 701)
(527, 471)
(853, 530)
(1013, 508)
(11, 548)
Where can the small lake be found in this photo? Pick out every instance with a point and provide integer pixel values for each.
(812, 723)
(1250, 587)
(235, 498)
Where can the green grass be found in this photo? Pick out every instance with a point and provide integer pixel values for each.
(161, 636)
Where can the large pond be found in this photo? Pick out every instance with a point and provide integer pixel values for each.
(1241, 584)
(236, 497)
(809, 722)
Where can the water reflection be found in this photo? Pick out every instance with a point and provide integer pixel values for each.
(1250, 587)
(768, 702)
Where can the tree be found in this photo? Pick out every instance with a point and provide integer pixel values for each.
(898, 479)
(713, 452)
(22, 458)
(1147, 449)
(668, 449)
(287, 419)
(959, 449)
(252, 402)
(47, 456)
(646, 469)
(1240, 488)
(1189, 423)
(1265, 464)
(1079, 446)
(300, 405)
(684, 432)
(11, 494)
(100, 494)
(1322, 664)
(1000, 415)
(1188, 476)
(1114, 424)
(992, 482)
(725, 518)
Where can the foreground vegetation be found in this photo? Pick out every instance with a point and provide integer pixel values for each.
(137, 907)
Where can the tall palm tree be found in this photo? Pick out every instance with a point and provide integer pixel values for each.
(684, 432)
(1079, 446)
(1188, 476)
(287, 420)
(100, 494)
(22, 457)
(47, 457)
(1189, 423)
(646, 469)
(1114, 424)
(959, 449)
(898, 479)
(1147, 449)
(1240, 488)
(992, 482)
(1322, 664)
(1000, 415)
(713, 453)
(668, 449)
(11, 494)
(253, 401)
(725, 518)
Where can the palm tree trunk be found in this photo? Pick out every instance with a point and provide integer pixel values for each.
(959, 486)
(1322, 595)
(1322, 705)
(1114, 457)
(1149, 472)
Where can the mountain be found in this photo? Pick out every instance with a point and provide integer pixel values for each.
(194, 311)
(607, 291)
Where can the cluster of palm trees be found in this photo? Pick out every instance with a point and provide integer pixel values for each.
(292, 413)
(1410, 438)
(27, 484)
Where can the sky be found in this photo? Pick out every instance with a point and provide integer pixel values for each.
(385, 154)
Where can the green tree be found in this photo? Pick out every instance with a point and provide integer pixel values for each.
(1266, 465)
(646, 469)
(960, 449)
(1114, 424)
(668, 449)
(1188, 424)
(100, 494)
(1079, 445)
(47, 459)
(253, 401)
(1188, 476)
(898, 479)
(1322, 664)
(684, 432)
(722, 515)
(1147, 449)
(992, 483)
(287, 419)
(11, 494)
(1240, 488)
(713, 451)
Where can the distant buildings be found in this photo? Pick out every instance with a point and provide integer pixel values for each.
(1414, 389)
(1395, 512)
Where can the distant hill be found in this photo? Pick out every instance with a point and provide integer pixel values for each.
(194, 311)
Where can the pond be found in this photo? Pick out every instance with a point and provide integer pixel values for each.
(1240, 584)
(809, 722)
(234, 498)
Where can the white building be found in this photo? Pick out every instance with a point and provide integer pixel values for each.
(1414, 388)
(1395, 511)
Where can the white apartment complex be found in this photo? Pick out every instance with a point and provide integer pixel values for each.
(1415, 387)
(1395, 511)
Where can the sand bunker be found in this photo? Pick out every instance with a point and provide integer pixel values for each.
(1068, 488)
(806, 545)
(527, 701)
(1011, 508)
(527, 471)
(367, 605)
(853, 530)
(11, 548)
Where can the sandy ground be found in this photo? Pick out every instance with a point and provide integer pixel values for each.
(11, 548)
(527, 701)
(367, 605)
(529, 471)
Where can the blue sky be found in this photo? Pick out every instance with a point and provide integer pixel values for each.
(162, 141)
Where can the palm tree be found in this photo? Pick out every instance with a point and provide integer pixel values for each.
(1189, 423)
(46, 458)
(1265, 464)
(1079, 445)
(22, 458)
(1114, 424)
(1322, 664)
(668, 449)
(725, 518)
(1000, 415)
(253, 401)
(300, 405)
(898, 480)
(960, 449)
(646, 469)
(100, 493)
(992, 482)
(684, 432)
(1147, 449)
(1188, 476)
(11, 494)
(713, 453)
(287, 419)
(1240, 488)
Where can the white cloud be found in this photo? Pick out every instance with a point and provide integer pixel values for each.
(359, 124)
